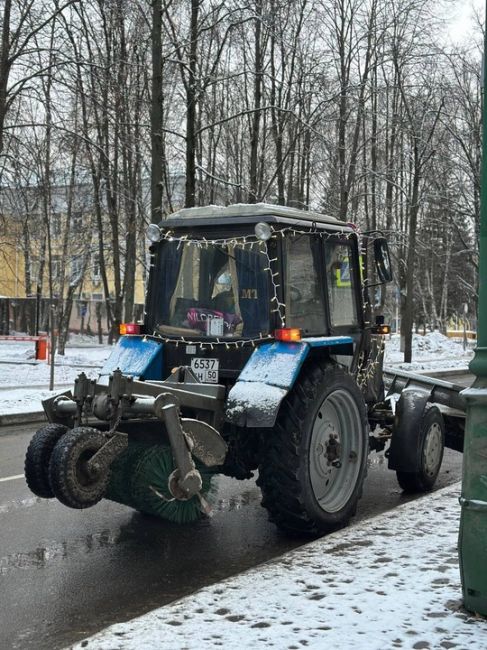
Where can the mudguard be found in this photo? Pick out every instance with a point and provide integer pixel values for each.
(405, 450)
(136, 356)
(268, 377)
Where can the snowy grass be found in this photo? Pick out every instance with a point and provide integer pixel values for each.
(18, 368)
(431, 351)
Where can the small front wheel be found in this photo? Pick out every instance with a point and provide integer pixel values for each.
(71, 481)
(37, 459)
(314, 461)
(432, 445)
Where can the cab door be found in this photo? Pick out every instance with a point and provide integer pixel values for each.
(343, 290)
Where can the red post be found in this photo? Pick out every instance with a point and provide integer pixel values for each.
(41, 349)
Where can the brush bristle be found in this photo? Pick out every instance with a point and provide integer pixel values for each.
(139, 479)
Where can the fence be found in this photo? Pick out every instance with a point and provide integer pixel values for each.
(87, 316)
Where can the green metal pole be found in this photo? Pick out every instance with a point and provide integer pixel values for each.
(473, 521)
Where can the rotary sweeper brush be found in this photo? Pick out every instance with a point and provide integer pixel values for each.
(256, 352)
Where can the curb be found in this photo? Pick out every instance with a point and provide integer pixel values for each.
(35, 387)
(11, 419)
(57, 364)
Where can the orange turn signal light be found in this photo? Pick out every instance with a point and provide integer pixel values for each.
(382, 330)
(288, 334)
(129, 328)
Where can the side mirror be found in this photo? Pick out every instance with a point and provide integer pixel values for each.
(382, 259)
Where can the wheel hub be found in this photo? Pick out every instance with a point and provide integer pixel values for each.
(86, 473)
(333, 449)
(327, 452)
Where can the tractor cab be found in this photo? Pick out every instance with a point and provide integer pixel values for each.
(225, 280)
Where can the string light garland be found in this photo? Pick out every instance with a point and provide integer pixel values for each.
(240, 343)
(278, 306)
(369, 371)
(252, 240)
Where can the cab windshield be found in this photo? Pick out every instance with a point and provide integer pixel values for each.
(213, 291)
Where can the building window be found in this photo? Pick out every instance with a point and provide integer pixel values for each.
(34, 270)
(77, 220)
(95, 267)
(55, 224)
(56, 267)
(76, 268)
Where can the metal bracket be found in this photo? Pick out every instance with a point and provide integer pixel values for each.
(101, 461)
(120, 388)
(83, 389)
(473, 504)
(57, 414)
(185, 481)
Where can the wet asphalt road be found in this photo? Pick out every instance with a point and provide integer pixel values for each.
(65, 574)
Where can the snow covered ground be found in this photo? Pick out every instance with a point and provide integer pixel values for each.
(389, 582)
(430, 352)
(24, 381)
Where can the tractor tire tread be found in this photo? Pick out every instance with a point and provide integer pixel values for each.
(62, 470)
(39, 451)
(279, 470)
(417, 482)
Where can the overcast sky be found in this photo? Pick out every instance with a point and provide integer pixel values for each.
(462, 18)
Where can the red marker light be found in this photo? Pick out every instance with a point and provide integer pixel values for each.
(288, 334)
(129, 328)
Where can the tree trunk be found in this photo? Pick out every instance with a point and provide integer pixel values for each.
(157, 116)
(4, 66)
(256, 117)
(191, 95)
(407, 318)
(65, 318)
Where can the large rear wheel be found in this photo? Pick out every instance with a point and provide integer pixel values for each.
(314, 461)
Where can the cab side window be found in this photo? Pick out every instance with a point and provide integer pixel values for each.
(341, 283)
(304, 297)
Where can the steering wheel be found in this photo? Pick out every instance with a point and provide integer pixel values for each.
(294, 293)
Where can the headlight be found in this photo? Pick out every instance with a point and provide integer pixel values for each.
(263, 231)
(153, 233)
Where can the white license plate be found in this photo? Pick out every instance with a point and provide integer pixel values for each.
(206, 370)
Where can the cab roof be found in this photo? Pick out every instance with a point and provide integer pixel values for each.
(241, 213)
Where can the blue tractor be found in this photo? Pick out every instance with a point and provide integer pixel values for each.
(256, 352)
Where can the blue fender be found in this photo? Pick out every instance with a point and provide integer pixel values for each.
(136, 356)
(269, 375)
